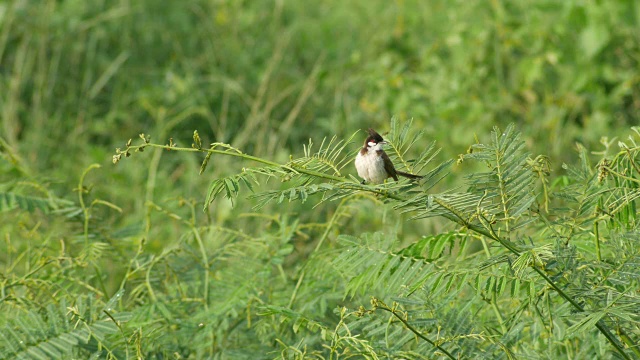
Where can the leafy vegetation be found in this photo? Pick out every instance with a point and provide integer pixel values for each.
(252, 237)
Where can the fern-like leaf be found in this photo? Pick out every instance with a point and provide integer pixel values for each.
(509, 183)
(58, 332)
(10, 200)
(377, 265)
(330, 158)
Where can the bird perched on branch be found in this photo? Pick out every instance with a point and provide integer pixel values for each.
(374, 165)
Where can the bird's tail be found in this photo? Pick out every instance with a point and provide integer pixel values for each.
(409, 176)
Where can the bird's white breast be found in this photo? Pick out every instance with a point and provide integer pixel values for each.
(370, 167)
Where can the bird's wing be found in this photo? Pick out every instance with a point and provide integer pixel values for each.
(388, 165)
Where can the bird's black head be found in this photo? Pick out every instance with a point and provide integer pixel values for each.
(373, 137)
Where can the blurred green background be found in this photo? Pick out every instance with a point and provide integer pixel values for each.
(81, 77)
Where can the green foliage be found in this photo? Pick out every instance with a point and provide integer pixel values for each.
(507, 280)
(60, 330)
(10, 200)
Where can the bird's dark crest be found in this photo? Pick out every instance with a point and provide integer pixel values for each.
(374, 135)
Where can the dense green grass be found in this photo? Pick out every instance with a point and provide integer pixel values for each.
(80, 78)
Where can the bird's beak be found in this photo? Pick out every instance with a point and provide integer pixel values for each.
(383, 142)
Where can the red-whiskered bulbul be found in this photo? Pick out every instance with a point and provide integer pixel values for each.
(374, 165)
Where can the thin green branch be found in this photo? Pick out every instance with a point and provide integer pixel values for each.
(85, 210)
(600, 325)
(504, 198)
(596, 233)
(380, 305)
(205, 264)
(610, 170)
(288, 167)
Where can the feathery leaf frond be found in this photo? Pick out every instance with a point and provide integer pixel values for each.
(509, 184)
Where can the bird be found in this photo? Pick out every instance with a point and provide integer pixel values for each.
(374, 165)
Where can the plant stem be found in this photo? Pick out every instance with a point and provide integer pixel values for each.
(380, 305)
(600, 325)
(205, 265)
(289, 167)
(492, 235)
(85, 210)
(597, 235)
